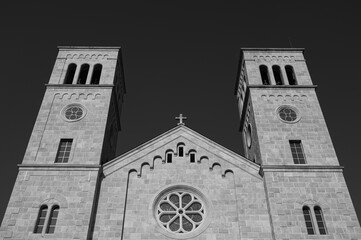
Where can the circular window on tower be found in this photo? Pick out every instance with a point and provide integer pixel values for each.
(73, 112)
(181, 212)
(288, 114)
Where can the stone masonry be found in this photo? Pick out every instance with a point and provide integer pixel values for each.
(179, 185)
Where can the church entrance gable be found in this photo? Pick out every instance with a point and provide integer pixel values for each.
(181, 187)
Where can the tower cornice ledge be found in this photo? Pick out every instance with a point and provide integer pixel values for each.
(60, 166)
(274, 49)
(88, 47)
(301, 168)
(79, 86)
(282, 86)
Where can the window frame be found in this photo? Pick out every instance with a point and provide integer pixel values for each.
(309, 215)
(319, 220)
(96, 68)
(67, 79)
(43, 226)
(70, 150)
(297, 153)
(169, 159)
(84, 70)
(277, 71)
(50, 218)
(264, 72)
(290, 73)
(50, 208)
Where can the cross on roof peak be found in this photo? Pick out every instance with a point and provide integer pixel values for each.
(181, 118)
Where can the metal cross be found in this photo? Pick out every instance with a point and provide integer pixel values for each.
(181, 118)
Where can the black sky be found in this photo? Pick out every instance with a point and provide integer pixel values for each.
(179, 57)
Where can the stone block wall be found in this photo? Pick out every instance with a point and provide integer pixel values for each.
(71, 189)
(255, 58)
(290, 190)
(236, 202)
(51, 126)
(274, 134)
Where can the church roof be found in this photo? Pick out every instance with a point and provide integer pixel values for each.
(179, 134)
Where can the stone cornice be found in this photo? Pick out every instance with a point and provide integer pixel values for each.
(273, 49)
(79, 86)
(59, 167)
(88, 47)
(282, 86)
(301, 168)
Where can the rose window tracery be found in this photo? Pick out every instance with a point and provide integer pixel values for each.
(180, 212)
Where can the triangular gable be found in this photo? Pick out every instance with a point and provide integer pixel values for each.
(178, 133)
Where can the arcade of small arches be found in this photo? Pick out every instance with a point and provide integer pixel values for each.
(82, 76)
(278, 75)
(191, 154)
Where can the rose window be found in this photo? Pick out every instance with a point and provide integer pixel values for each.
(73, 113)
(287, 114)
(180, 212)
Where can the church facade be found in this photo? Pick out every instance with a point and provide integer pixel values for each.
(180, 185)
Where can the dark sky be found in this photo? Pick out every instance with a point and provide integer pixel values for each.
(180, 57)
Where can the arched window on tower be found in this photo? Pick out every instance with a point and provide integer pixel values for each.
(320, 220)
(277, 74)
(308, 220)
(52, 219)
(40, 221)
(84, 70)
(96, 74)
(291, 75)
(264, 75)
(69, 76)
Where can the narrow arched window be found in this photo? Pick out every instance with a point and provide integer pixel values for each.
(52, 219)
(169, 156)
(96, 74)
(40, 221)
(291, 75)
(69, 76)
(192, 157)
(308, 220)
(277, 74)
(264, 75)
(84, 70)
(320, 220)
(180, 150)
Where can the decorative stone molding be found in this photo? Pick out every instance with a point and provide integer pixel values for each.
(88, 56)
(282, 97)
(274, 59)
(77, 96)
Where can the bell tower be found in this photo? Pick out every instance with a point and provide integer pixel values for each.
(74, 134)
(279, 109)
(284, 131)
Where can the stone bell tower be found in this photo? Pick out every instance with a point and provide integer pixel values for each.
(74, 134)
(284, 131)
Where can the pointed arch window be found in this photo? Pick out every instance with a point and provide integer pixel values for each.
(264, 75)
(52, 219)
(96, 74)
(69, 76)
(277, 74)
(320, 220)
(40, 221)
(84, 70)
(291, 75)
(308, 220)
